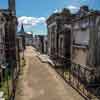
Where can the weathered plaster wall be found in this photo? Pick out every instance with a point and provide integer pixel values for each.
(80, 56)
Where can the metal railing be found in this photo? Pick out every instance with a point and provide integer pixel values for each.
(82, 79)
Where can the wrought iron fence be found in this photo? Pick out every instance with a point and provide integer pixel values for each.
(83, 79)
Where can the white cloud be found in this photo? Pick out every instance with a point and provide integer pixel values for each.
(56, 10)
(31, 21)
(29, 32)
(72, 8)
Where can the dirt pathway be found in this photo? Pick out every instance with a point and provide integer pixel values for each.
(40, 82)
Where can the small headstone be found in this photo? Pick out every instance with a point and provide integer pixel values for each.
(2, 98)
(1, 94)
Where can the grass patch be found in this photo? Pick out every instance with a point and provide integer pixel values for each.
(5, 86)
(66, 75)
(23, 62)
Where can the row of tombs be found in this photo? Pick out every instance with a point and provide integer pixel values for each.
(74, 41)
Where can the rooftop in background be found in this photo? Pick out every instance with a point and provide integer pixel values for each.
(82, 12)
(21, 31)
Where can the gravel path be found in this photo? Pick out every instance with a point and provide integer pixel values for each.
(39, 81)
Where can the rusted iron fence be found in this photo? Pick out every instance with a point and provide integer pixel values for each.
(82, 79)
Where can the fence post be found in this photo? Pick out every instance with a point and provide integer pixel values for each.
(70, 73)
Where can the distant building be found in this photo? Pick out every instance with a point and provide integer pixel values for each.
(41, 43)
(19, 42)
(29, 39)
(21, 35)
(45, 42)
(59, 32)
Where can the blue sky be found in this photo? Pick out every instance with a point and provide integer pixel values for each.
(33, 13)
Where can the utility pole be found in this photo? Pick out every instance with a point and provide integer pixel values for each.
(12, 45)
(11, 6)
